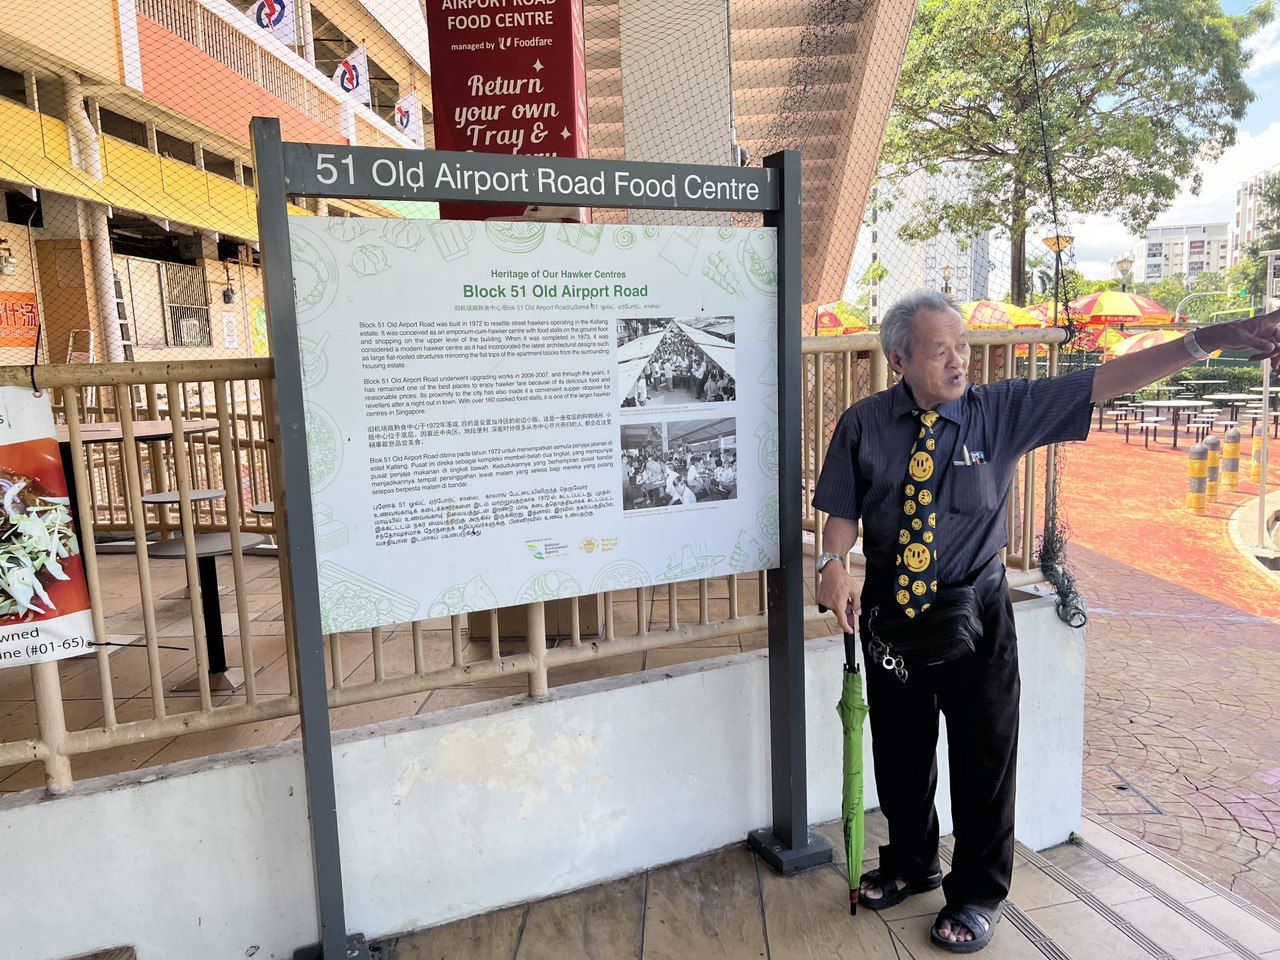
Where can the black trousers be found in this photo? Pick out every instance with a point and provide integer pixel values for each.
(979, 697)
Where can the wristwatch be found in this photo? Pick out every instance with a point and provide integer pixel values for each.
(1193, 346)
(824, 559)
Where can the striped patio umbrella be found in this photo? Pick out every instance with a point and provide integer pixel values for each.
(996, 315)
(1097, 338)
(1112, 306)
(834, 319)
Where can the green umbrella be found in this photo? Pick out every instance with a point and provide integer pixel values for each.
(853, 710)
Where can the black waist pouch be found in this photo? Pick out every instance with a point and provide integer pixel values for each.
(949, 630)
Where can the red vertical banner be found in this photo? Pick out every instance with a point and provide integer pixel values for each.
(507, 76)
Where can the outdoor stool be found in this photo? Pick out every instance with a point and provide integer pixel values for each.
(1122, 420)
(1203, 427)
(1148, 427)
(169, 497)
(208, 547)
(267, 506)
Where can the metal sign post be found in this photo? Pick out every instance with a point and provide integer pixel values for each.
(373, 173)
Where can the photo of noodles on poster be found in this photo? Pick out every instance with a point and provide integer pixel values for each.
(44, 601)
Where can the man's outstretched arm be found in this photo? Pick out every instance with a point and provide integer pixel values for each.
(1135, 370)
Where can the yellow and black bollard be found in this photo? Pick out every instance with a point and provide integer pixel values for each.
(1215, 465)
(1197, 476)
(1231, 458)
(1255, 468)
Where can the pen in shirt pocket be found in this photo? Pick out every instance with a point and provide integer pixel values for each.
(975, 458)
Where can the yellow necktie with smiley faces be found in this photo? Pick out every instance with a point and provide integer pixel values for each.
(917, 582)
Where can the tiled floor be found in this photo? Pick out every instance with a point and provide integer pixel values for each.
(1107, 897)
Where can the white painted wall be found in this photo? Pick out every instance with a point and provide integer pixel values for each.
(462, 811)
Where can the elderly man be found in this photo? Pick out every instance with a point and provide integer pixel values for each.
(926, 466)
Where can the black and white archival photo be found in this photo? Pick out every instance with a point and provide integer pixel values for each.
(679, 463)
(667, 361)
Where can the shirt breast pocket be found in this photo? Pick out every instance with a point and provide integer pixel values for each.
(973, 489)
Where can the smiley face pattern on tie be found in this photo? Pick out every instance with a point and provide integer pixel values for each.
(917, 581)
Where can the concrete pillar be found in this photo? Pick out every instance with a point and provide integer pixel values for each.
(104, 283)
(32, 90)
(306, 32)
(91, 224)
(76, 277)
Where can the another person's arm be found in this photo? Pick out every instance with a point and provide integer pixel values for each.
(1135, 370)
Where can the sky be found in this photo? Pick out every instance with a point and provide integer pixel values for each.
(1257, 147)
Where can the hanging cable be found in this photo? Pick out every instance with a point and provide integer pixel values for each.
(1070, 605)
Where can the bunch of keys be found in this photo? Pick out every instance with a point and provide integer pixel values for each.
(882, 652)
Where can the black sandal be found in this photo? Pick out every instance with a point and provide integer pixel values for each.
(971, 916)
(890, 893)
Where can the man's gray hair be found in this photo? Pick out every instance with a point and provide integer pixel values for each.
(897, 327)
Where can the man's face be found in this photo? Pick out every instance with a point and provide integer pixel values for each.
(939, 364)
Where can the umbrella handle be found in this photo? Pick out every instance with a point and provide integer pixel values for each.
(850, 645)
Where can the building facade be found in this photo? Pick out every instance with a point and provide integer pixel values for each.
(887, 266)
(1250, 210)
(125, 165)
(1183, 250)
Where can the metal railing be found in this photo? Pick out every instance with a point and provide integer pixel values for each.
(402, 660)
(841, 370)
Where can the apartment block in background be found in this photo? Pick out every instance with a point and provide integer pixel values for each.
(1184, 250)
(1250, 210)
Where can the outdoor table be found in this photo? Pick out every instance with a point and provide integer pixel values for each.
(1175, 408)
(1271, 393)
(1201, 384)
(1233, 400)
(144, 431)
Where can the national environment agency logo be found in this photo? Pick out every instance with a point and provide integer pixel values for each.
(349, 76)
(269, 13)
(547, 549)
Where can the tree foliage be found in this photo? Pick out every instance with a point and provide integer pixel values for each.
(1133, 93)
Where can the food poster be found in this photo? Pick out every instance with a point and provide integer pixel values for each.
(506, 412)
(44, 601)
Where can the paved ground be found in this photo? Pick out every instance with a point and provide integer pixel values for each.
(1184, 667)
(1181, 744)
(1129, 503)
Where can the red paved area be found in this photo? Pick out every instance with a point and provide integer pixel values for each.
(1128, 503)
(1183, 677)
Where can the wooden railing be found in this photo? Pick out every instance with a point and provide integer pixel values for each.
(394, 663)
